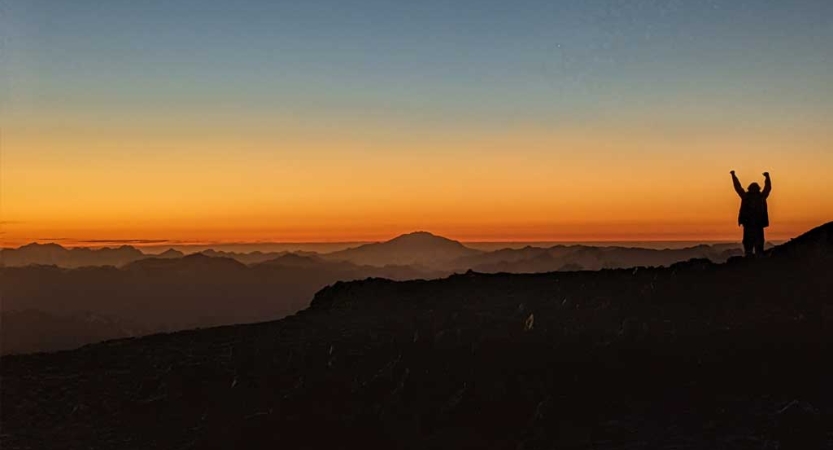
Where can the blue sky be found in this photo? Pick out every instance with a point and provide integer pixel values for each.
(482, 58)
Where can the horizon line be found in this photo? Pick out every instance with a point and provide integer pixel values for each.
(171, 244)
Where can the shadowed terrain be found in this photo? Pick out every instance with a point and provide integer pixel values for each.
(162, 294)
(33, 330)
(696, 355)
(44, 284)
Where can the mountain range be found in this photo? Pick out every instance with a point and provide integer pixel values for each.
(421, 249)
(54, 254)
(693, 355)
(48, 284)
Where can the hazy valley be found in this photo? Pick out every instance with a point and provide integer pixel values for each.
(51, 295)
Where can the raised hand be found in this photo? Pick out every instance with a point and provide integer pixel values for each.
(732, 172)
(766, 174)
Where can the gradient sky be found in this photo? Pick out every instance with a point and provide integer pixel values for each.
(341, 120)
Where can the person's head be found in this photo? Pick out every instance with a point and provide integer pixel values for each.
(754, 187)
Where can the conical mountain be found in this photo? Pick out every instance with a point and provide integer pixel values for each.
(421, 247)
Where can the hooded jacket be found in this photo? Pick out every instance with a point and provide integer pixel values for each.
(753, 208)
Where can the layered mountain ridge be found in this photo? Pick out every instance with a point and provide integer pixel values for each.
(166, 292)
(420, 249)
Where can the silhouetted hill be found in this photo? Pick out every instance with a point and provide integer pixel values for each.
(254, 257)
(167, 294)
(419, 248)
(194, 262)
(169, 254)
(54, 254)
(48, 254)
(695, 355)
(583, 257)
(813, 245)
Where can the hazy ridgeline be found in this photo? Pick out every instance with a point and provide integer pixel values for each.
(57, 298)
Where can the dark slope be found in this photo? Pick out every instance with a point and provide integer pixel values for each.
(572, 257)
(163, 294)
(34, 330)
(697, 355)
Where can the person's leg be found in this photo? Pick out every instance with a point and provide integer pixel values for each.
(748, 243)
(759, 242)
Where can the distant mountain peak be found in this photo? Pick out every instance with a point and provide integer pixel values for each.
(51, 245)
(419, 233)
(421, 237)
(201, 257)
(418, 247)
(170, 253)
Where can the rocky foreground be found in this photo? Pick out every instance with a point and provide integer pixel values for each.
(698, 355)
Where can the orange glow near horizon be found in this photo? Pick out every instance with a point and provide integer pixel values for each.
(532, 184)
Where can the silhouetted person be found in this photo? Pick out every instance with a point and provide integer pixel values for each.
(753, 214)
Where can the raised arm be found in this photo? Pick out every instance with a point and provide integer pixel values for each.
(767, 185)
(736, 183)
